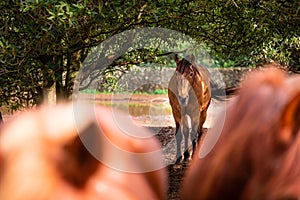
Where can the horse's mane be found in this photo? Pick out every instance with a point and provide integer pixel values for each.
(190, 61)
(184, 64)
(256, 156)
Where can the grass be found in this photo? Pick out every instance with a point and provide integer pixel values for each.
(90, 91)
(157, 91)
(161, 91)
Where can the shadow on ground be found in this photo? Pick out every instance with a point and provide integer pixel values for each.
(166, 135)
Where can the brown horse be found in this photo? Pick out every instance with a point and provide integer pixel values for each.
(43, 158)
(257, 154)
(189, 94)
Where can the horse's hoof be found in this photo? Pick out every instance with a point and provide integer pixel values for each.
(187, 159)
(186, 155)
(178, 161)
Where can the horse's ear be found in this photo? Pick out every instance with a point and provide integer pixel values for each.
(290, 121)
(191, 58)
(1, 161)
(176, 58)
(2, 158)
(76, 164)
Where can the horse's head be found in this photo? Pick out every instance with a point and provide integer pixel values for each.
(45, 155)
(257, 154)
(185, 75)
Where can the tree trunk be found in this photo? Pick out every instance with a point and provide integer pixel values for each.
(61, 94)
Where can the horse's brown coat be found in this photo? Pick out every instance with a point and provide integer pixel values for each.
(258, 153)
(194, 81)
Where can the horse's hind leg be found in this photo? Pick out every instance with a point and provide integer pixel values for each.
(201, 122)
(195, 133)
(178, 143)
(194, 138)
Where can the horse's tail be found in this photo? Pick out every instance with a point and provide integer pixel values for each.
(221, 93)
(1, 118)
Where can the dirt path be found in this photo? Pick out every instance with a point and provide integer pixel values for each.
(166, 135)
(176, 171)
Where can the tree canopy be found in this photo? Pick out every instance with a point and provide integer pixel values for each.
(44, 42)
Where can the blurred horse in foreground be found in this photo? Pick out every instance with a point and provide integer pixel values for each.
(43, 157)
(189, 95)
(258, 153)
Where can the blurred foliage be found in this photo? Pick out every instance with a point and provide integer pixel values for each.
(44, 42)
(250, 32)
